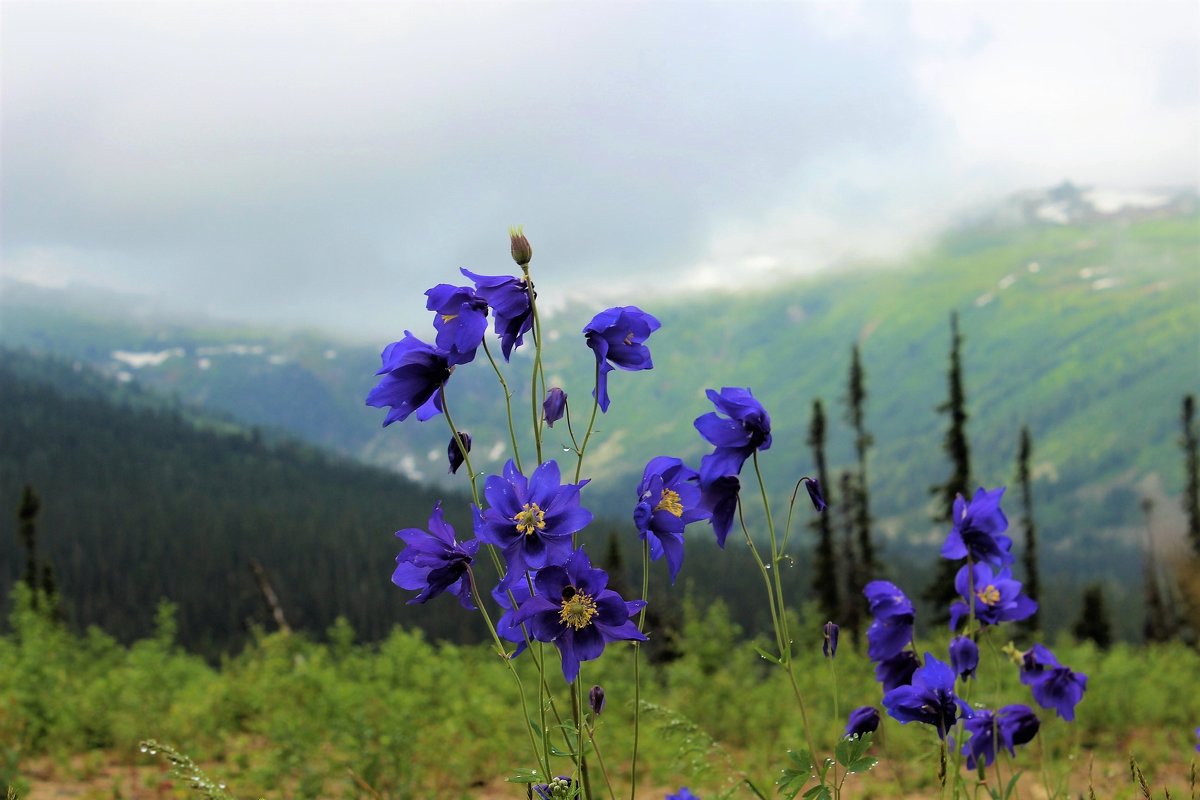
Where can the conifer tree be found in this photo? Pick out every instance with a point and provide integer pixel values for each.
(1191, 492)
(856, 401)
(1093, 620)
(825, 568)
(941, 592)
(27, 513)
(1156, 626)
(854, 604)
(1029, 555)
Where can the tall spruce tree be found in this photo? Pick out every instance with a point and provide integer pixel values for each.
(1191, 490)
(1029, 555)
(27, 513)
(825, 567)
(854, 603)
(941, 592)
(856, 401)
(1156, 626)
(1094, 622)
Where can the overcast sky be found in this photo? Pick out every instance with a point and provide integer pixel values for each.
(325, 163)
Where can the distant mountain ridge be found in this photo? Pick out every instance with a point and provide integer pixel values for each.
(1083, 327)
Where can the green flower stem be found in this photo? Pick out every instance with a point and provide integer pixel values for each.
(591, 425)
(766, 576)
(534, 394)
(787, 528)
(461, 446)
(577, 712)
(502, 651)
(637, 675)
(512, 431)
(591, 731)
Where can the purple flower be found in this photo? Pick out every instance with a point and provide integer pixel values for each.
(617, 336)
(978, 530)
(1053, 685)
(530, 519)
(998, 597)
(746, 427)
(1007, 728)
(412, 374)
(668, 501)
(892, 629)
(814, 493)
(508, 298)
(596, 699)
(456, 455)
(829, 646)
(684, 793)
(964, 656)
(461, 321)
(897, 670)
(862, 721)
(511, 598)
(434, 562)
(552, 408)
(575, 609)
(929, 699)
(719, 499)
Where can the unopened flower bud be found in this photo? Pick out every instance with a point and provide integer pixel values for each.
(862, 721)
(522, 252)
(829, 646)
(552, 409)
(596, 699)
(814, 493)
(456, 455)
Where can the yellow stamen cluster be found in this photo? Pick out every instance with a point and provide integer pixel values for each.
(448, 317)
(989, 596)
(577, 610)
(530, 519)
(628, 338)
(670, 503)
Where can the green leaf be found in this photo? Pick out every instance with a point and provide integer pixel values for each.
(820, 792)
(1012, 784)
(802, 759)
(767, 656)
(862, 764)
(523, 775)
(842, 751)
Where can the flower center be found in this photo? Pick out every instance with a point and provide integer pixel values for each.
(530, 519)
(670, 503)
(447, 317)
(628, 338)
(578, 608)
(989, 596)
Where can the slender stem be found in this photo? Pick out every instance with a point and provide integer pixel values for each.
(766, 576)
(591, 424)
(637, 676)
(503, 653)
(534, 394)
(787, 528)
(591, 731)
(512, 431)
(461, 444)
(577, 713)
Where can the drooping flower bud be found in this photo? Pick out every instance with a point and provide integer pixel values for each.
(522, 251)
(814, 493)
(552, 408)
(829, 646)
(596, 699)
(964, 656)
(862, 720)
(456, 455)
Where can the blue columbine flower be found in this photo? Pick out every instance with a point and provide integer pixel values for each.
(434, 562)
(930, 698)
(862, 721)
(745, 428)
(998, 596)
(575, 609)
(460, 321)
(508, 298)
(1007, 728)
(964, 656)
(892, 629)
(719, 499)
(829, 645)
(454, 454)
(684, 793)
(530, 519)
(413, 372)
(617, 336)
(978, 530)
(553, 406)
(1053, 685)
(897, 670)
(668, 501)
